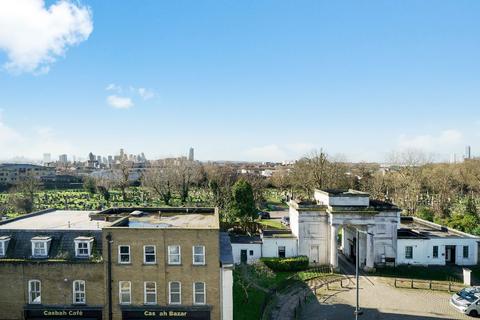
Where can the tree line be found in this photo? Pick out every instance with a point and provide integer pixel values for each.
(444, 193)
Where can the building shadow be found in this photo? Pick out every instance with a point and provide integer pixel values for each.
(345, 312)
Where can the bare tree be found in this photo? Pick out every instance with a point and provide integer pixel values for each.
(317, 171)
(220, 181)
(160, 179)
(22, 195)
(186, 173)
(121, 175)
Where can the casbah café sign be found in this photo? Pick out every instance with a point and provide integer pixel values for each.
(63, 313)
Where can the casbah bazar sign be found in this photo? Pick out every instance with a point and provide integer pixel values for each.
(167, 314)
(63, 313)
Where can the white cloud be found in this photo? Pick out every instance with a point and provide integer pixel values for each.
(274, 152)
(33, 36)
(8, 136)
(146, 94)
(119, 102)
(30, 143)
(124, 99)
(428, 142)
(301, 147)
(113, 87)
(266, 153)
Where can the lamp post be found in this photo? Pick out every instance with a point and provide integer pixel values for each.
(357, 311)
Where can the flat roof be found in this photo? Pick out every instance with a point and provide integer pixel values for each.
(55, 220)
(413, 227)
(274, 233)
(176, 220)
(244, 239)
(343, 192)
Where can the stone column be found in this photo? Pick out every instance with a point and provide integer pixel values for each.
(370, 250)
(344, 240)
(333, 246)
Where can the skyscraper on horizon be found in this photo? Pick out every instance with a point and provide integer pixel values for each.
(63, 158)
(191, 154)
(47, 157)
(468, 152)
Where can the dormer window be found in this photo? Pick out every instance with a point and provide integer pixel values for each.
(83, 247)
(40, 246)
(4, 245)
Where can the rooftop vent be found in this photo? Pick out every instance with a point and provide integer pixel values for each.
(136, 213)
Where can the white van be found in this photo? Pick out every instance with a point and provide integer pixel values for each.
(467, 301)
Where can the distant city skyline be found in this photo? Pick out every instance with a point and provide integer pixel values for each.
(252, 81)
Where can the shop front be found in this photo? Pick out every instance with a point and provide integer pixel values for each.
(167, 313)
(62, 313)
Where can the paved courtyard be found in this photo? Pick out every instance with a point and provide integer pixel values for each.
(380, 300)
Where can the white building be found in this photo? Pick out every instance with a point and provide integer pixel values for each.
(246, 249)
(279, 243)
(317, 224)
(384, 237)
(422, 242)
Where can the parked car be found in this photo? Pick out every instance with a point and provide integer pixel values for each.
(286, 221)
(467, 301)
(264, 215)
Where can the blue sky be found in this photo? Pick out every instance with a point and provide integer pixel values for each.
(249, 80)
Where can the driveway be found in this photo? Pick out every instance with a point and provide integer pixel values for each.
(278, 214)
(380, 300)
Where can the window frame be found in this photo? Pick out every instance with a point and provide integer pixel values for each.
(203, 255)
(154, 254)
(145, 302)
(89, 248)
(74, 292)
(30, 301)
(119, 259)
(409, 257)
(179, 293)
(204, 293)
(284, 251)
(4, 240)
(44, 243)
(179, 255)
(435, 252)
(129, 293)
(467, 255)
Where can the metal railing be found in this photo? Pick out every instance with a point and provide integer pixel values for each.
(428, 284)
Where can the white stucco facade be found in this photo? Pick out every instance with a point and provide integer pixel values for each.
(272, 246)
(317, 226)
(422, 251)
(310, 226)
(227, 292)
(383, 236)
(253, 252)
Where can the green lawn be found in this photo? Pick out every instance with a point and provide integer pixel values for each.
(314, 273)
(253, 298)
(272, 224)
(78, 199)
(440, 273)
(274, 199)
(263, 277)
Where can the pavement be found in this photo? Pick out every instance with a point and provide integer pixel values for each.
(380, 300)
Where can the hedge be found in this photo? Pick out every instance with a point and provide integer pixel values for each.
(286, 264)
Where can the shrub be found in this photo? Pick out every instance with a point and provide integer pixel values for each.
(286, 264)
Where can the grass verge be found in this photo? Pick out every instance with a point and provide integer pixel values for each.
(440, 273)
(272, 224)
